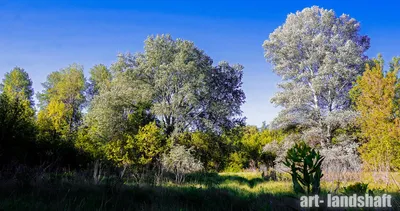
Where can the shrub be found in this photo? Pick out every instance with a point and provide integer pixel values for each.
(357, 188)
(180, 161)
(305, 166)
(236, 162)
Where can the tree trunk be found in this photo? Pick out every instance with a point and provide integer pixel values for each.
(97, 171)
(122, 173)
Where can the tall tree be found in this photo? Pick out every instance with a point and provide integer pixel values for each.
(186, 91)
(319, 56)
(61, 101)
(375, 99)
(17, 133)
(114, 118)
(17, 84)
(100, 78)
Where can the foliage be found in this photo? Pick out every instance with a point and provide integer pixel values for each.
(139, 151)
(319, 56)
(209, 148)
(357, 188)
(180, 161)
(305, 168)
(186, 91)
(116, 113)
(100, 78)
(61, 103)
(236, 162)
(341, 159)
(376, 99)
(17, 130)
(170, 108)
(17, 84)
(148, 144)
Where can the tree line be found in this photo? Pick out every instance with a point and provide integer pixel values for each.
(171, 103)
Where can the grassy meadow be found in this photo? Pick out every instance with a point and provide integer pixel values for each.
(209, 191)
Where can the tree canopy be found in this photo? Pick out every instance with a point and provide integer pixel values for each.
(376, 98)
(319, 56)
(186, 91)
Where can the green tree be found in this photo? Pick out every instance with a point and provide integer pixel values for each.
(149, 144)
(100, 78)
(140, 149)
(208, 148)
(375, 98)
(61, 102)
(186, 91)
(180, 161)
(115, 116)
(17, 133)
(17, 84)
(319, 56)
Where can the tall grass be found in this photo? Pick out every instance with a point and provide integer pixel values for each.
(205, 191)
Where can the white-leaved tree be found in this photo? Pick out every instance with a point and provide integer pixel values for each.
(318, 55)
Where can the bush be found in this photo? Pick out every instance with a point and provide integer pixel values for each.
(180, 161)
(356, 188)
(236, 162)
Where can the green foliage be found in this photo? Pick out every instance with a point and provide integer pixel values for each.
(305, 168)
(149, 143)
(356, 188)
(209, 148)
(249, 142)
(61, 103)
(17, 130)
(17, 84)
(100, 78)
(185, 89)
(375, 97)
(84, 142)
(236, 162)
(180, 161)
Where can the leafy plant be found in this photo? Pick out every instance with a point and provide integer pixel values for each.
(357, 188)
(180, 161)
(305, 168)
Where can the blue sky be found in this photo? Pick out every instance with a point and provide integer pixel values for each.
(46, 36)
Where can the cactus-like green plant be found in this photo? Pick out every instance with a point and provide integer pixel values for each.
(305, 168)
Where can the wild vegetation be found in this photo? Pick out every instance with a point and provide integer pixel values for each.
(163, 129)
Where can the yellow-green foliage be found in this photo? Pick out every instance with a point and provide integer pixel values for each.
(17, 86)
(375, 99)
(148, 143)
(54, 118)
(248, 147)
(140, 149)
(236, 162)
(61, 102)
(208, 148)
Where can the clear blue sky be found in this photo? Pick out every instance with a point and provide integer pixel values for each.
(44, 36)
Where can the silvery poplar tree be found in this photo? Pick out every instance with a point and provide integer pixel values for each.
(318, 55)
(186, 91)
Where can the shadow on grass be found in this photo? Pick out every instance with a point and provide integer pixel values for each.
(211, 179)
(92, 197)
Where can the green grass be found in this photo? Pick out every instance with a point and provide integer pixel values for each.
(211, 191)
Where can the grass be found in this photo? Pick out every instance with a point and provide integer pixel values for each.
(211, 191)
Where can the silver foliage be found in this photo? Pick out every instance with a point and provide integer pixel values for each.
(318, 55)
